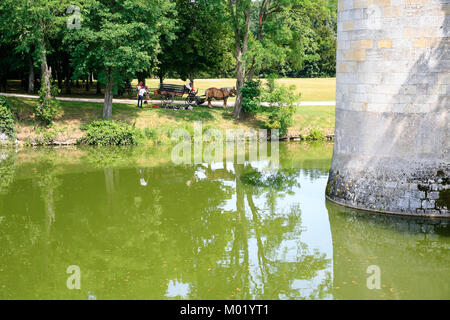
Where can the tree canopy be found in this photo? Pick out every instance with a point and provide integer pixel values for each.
(118, 41)
(202, 41)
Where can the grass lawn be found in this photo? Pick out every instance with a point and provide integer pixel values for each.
(161, 121)
(309, 117)
(318, 89)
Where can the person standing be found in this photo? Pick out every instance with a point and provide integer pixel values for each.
(147, 94)
(140, 96)
(140, 85)
(190, 86)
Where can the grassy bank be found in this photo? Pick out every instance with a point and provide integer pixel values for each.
(160, 123)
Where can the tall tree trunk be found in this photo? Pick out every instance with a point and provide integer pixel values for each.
(50, 216)
(88, 84)
(191, 79)
(107, 110)
(110, 189)
(141, 77)
(60, 81)
(68, 84)
(99, 87)
(240, 74)
(46, 72)
(60, 76)
(30, 76)
(251, 72)
(240, 243)
(4, 83)
(263, 14)
(241, 51)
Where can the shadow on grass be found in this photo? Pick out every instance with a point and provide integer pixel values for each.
(72, 111)
(79, 113)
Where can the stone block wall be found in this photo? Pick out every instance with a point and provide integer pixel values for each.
(392, 115)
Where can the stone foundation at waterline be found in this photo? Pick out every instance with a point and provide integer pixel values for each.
(414, 189)
(392, 111)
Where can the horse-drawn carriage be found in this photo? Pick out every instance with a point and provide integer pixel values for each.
(168, 92)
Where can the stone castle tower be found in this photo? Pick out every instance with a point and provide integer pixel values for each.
(392, 116)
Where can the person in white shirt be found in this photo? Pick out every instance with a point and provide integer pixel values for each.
(140, 96)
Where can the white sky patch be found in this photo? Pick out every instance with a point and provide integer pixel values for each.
(177, 289)
(200, 174)
(217, 166)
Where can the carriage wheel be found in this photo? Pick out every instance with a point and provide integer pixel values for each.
(199, 101)
(166, 100)
(191, 100)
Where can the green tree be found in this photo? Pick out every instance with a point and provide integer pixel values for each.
(278, 35)
(240, 13)
(318, 58)
(35, 23)
(119, 38)
(281, 109)
(203, 40)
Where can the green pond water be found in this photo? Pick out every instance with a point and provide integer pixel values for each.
(139, 226)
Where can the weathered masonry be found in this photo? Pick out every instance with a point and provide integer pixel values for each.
(392, 115)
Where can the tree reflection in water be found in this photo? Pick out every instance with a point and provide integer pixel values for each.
(199, 232)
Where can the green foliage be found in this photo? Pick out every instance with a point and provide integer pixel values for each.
(5, 102)
(201, 43)
(119, 38)
(315, 134)
(296, 37)
(47, 107)
(110, 133)
(281, 100)
(251, 92)
(6, 118)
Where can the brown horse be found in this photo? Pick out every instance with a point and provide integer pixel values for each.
(219, 94)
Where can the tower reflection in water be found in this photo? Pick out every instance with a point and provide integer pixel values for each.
(411, 253)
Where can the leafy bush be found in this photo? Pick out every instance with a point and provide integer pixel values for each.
(46, 109)
(251, 92)
(108, 133)
(281, 108)
(6, 118)
(4, 102)
(315, 134)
